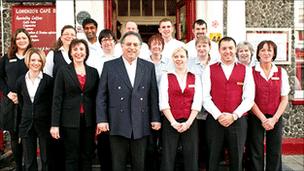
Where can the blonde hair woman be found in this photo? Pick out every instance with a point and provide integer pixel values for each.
(34, 91)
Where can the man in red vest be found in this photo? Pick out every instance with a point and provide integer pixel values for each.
(228, 93)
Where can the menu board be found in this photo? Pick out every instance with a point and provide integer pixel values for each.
(39, 21)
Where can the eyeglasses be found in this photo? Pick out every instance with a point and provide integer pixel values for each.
(107, 39)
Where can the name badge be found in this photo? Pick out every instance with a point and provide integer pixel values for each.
(191, 85)
(239, 83)
(13, 60)
(275, 78)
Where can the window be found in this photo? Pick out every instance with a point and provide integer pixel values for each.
(146, 7)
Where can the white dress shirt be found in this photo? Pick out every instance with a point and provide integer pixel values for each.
(170, 46)
(32, 86)
(214, 54)
(98, 61)
(94, 60)
(247, 96)
(131, 69)
(285, 88)
(49, 64)
(163, 91)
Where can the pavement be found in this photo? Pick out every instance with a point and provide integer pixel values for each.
(289, 163)
(293, 162)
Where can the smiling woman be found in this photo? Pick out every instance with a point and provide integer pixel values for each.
(12, 66)
(74, 107)
(30, 97)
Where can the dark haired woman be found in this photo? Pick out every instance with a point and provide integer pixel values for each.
(12, 66)
(73, 109)
(271, 99)
(57, 58)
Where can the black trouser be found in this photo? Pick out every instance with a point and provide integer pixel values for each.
(202, 143)
(273, 145)
(170, 142)
(16, 149)
(56, 154)
(153, 151)
(104, 152)
(121, 147)
(235, 136)
(79, 147)
(30, 150)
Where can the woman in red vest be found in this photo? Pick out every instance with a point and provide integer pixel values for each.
(271, 99)
(180, 94)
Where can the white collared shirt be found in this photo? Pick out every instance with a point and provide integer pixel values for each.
(247, 96)
(285, 88)
(94, 60)
(131, 69)
(32, 86)
(98, 61)
(49, 64)
(170, 46)
(164, 96)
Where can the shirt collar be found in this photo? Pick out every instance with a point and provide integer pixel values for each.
(19, 56)
(172, 71)
(40, 75)
(127, 63)
(258, 67)
(221, 62)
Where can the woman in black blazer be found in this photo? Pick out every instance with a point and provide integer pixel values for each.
(11, 68)
(73, 110)
(56, 58)
(34, 91)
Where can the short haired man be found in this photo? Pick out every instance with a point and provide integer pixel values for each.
(228, 94)
(90, 26)
(166, 29)
(199, 28)
(144, 50)
(127, 104)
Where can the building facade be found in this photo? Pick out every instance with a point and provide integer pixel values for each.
(254, 20)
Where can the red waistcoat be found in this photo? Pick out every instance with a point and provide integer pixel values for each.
(267, 93)
(181, 102)
(227, 94)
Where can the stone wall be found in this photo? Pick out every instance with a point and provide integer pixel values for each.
(279, 14)
(7, 20)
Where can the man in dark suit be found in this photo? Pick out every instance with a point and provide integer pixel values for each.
(127, 104)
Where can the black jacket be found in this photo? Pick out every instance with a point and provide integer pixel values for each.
(35, 114)
(68, 96)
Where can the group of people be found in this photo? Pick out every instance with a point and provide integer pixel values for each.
(139, 104)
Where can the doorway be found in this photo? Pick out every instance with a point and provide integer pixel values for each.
(148, 13)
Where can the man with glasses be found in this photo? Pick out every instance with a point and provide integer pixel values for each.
(127, 104)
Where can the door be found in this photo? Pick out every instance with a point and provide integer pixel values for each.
(185, 17)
